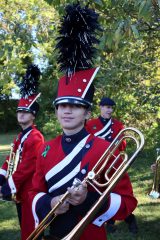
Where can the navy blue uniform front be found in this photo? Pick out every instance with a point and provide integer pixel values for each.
(60, 161)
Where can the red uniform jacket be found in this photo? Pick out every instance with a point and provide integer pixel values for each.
(56, 171)
(99, 127)
(20, 182)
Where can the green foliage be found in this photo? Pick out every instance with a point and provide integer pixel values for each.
(129, 57)
(52, 127)
(128, 54)
(25, 36)
(8, 120)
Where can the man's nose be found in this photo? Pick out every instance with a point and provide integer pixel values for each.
(68, 109)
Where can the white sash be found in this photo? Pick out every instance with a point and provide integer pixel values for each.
(20, 148)
(64, 162)
(103, 129)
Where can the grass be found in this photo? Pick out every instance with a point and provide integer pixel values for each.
(9, 226)
(147, 213)
(5, 141)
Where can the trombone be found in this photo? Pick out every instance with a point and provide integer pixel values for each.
(155, 191)
(92, 179)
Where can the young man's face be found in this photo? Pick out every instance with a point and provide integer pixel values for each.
(25, 118)
(72, 117)
(106, 111)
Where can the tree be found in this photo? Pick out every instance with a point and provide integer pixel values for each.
(128, 54)
(27, 33)
(129, 58)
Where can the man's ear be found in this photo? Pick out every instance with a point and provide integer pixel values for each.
(88, 115)
(55, 111)
(33, 117)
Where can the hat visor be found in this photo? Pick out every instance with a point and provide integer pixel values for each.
(72, 100)
(25, 110)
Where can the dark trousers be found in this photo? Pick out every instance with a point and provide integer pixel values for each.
(19, 212)
(128, 219)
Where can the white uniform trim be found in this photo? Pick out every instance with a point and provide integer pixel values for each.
(3, 172)
(20, 148)
(62, 164)
(104, 128)
(115, 203)
(107, 133)
(12, 185)
(91, 80)
(66, 178)
(10, 179)
(36, 198)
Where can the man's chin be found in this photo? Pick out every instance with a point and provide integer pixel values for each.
(69, 127)
(23, 123)
(107, 117)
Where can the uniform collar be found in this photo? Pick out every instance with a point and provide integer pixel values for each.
(26, 130)
(103, 120)
(74, 138)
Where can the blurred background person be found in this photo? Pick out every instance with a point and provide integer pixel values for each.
(107, 127)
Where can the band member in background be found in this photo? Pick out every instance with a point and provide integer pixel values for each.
(107, 127)
(155, 167)
(17, 182)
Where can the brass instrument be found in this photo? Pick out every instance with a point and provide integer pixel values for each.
(92, 179)
(155, 192)
(12, 165)
(12, 161)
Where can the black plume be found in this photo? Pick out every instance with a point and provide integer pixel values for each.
(78, 32)
(29, 84)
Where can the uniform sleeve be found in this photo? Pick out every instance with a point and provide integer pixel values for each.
(122, 147)
(26, 166)
(118, 127)
(38, 194)
(3, 172)
(121, 201)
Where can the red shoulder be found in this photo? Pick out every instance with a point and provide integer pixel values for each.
(93, 125)
(53, 142)
(93, 121)
(50, 145)
(117, 122)
(99, 143)
(36, 136)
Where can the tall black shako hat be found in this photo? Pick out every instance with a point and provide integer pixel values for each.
(77, 37)
(29, 90)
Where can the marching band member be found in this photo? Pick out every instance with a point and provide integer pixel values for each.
(155, 167)
(107, 127)
(69, 156)
(73, 153)
(25, 148)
